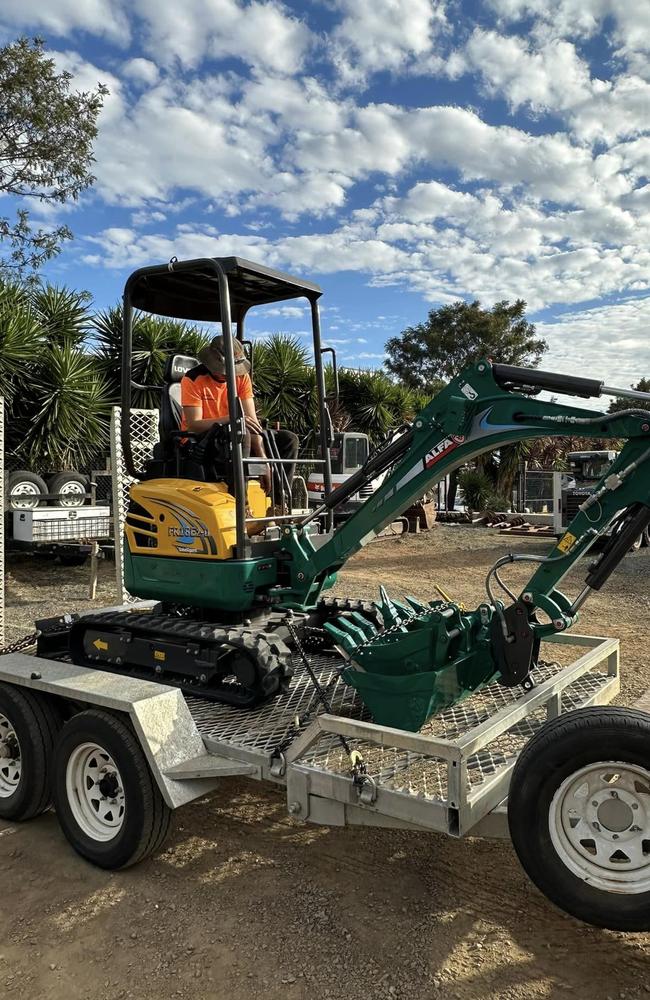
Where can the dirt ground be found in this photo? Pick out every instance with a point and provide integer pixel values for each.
(244, 902)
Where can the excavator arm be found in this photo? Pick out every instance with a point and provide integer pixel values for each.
(439, 646)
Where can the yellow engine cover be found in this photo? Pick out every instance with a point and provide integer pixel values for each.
(181, 517)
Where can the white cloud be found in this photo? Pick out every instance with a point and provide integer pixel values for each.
(61, 17)
(377, 35)
(288, 312)
(141, 70)
(613, 337)
(552, 77)
(630, 19)
(262, 34)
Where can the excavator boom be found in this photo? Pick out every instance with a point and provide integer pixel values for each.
(429, 656)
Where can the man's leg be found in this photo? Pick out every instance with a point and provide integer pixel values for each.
(287, 444)
(216, 449)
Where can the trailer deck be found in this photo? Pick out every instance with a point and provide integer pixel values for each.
(450, 777)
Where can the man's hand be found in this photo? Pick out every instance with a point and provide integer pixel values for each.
(253, 425)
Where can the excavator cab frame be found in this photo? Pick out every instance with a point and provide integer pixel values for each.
(221, 290)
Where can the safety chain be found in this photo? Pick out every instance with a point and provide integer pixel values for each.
(398, 626)
(358, 768)
(31, 638)
(24, 643)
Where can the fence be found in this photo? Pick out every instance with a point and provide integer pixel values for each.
(144, 435)
(2, 522)
(534, 494)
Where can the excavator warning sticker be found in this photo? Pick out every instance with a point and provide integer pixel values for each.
(567, 542)
(441, 449)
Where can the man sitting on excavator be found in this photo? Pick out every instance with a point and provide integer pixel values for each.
(204, 398)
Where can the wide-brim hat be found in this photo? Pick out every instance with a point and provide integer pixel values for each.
(213, 356)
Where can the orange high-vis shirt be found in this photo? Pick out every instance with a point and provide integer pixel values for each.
(200, 388)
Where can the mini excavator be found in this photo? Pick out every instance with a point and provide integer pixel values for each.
(241, 588)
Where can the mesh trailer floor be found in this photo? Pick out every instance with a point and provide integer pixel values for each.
(451, 776)
(447, 777)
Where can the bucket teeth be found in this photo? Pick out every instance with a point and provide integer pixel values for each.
(387, 609)
(417, 606)
(343, 639)
(404, 610)
(366, 626)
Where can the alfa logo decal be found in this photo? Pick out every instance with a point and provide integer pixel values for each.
(441, 449)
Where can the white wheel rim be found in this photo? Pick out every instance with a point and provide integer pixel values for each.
(599, 821)
(75, 492)
(95, 792)
(25, 489)
(10, 761)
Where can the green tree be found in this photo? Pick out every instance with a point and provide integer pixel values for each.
(46, 138)
(457, 335)
(57, 399)
(633, 404)
(284, 382)
(155, 338)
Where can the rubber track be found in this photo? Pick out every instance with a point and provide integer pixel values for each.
(271, 653)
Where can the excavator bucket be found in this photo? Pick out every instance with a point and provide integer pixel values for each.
(427, 658)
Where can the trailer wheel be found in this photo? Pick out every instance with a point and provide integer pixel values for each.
(579, 815)
(25, 490)
(28, 728)
(106, 799)
(71, 486)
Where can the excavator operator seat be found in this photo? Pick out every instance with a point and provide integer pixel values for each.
(171, 409)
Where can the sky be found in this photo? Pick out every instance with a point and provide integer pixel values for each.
(403, 154)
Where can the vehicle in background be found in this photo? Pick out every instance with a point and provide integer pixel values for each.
(27, 490)
(348, 453)
(56, 514)
(585, 469)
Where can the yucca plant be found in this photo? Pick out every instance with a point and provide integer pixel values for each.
(21, 340)
(65, 417)
(284, 383)
(63, 313)
(154, 340)
(369, 397)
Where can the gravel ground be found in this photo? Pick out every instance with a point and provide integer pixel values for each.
(246, 903)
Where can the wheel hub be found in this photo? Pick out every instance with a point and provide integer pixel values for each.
(109, 786)
(95, 791)
(615, 815)
(599, 821)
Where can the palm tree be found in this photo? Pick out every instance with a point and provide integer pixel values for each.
(56, 400)
(285, 383)
(67, 412)
(155, 338)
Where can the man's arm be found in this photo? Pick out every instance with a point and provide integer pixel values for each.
(196, 423)
(254, 428)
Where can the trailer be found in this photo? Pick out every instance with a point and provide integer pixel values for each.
(119, 754)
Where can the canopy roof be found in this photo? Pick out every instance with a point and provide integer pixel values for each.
(189, 289)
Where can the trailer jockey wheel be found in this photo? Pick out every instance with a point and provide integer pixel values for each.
(579, 815)
(28, 728)
(105, 796)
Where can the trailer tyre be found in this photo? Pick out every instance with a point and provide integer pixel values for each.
(106, 798)
(579, 815)
(72, 488)
(25, 490)
(28, 727)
